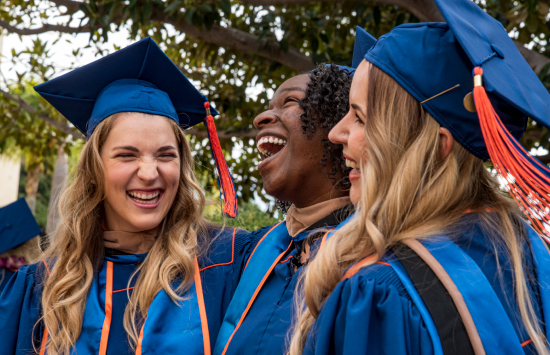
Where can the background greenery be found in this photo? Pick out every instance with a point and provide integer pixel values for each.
(229, 48)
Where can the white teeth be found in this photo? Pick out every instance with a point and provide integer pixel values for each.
(351, 164)
(144, 197)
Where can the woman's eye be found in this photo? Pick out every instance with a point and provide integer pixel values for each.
(359, 120)
(171, 156)
(124, 156)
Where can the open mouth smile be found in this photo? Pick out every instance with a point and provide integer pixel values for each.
(145, 197)
(269, 146)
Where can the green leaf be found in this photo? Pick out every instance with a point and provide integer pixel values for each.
(189, 15)
(532, 23)
(173, 6)
(225, 5)
(147, 11)
(206, 7)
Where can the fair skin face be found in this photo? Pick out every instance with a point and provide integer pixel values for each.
(350, 131)
(142, 172)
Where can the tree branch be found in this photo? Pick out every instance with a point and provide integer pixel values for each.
(222, 134)
(45, 28)
(72, 6)
(25, 105)
(243, 41)
(77, 134)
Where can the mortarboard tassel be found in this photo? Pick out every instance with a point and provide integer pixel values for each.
(224, 176)
(528, 179)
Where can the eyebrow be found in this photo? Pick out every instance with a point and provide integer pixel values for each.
(127, 147)
(165, 148)
(294, 88)
(358, 108)
(134, 149)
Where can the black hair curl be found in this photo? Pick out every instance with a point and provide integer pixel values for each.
(325, 104)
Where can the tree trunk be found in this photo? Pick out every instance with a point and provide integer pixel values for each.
(60, 172)
(31, 186)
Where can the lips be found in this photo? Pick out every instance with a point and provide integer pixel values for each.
(145, 197)
(269, 146)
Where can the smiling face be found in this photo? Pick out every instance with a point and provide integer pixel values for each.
(350, 131)
(290, 165)
(142, 170)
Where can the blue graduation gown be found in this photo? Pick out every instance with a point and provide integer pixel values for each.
(372, 312)
(169, 327)
(264, 328)
(5, 276)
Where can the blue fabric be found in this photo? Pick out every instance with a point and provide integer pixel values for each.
(417, 300)
(363, 43)
(5, 276)
(84, 96)
(17, 225)
(265, 328)
(496, 331)
(275, 243)
(429, 58)
(169, 328)
(370, 312)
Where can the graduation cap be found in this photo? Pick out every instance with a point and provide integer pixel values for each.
(17, 225)
(435, 63)
(363, 43)
(138, 78)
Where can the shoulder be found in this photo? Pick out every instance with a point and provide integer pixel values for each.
(26, 282)
(370, 312)
(378, 279)
(225, 244)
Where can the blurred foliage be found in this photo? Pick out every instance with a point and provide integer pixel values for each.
(321, 31)
(42, 197)
(250, 217)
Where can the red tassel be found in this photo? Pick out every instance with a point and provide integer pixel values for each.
(527, 179)
(224, 176)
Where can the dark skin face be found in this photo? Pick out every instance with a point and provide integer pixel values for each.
(291, 171)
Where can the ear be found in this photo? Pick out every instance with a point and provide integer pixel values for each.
(446, 142)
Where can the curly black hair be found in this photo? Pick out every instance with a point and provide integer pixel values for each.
(325, 104)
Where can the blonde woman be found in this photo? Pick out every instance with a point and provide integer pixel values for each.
(436, 260)
(133, 268)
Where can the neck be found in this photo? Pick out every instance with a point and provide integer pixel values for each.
(130, 242)
(316, 198)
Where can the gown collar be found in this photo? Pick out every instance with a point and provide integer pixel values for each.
(299, 220)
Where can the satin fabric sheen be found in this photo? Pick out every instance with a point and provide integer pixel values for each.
(373, 311)
(170, 328)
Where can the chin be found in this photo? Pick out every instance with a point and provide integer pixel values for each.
(145, 224)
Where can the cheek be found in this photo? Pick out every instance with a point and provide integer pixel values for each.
(117, 176)
(171, 172)
(356, 142)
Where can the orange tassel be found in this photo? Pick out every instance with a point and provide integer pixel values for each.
(224, 176)
(527, 179)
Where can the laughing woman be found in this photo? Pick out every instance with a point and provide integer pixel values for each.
(128, 264)
(437, 260)
(303, 169)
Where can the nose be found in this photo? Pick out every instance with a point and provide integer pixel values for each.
(263, 119)
(148, 170)
(339, 134)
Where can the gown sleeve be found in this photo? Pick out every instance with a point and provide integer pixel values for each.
(369, 314)
(19, 313)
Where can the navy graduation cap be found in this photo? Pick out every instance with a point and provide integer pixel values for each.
(17, 225)
(138, 78)
(363, 43)
(435, 63)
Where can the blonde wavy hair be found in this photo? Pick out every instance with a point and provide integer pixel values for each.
(404, 182)
(77, 247)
